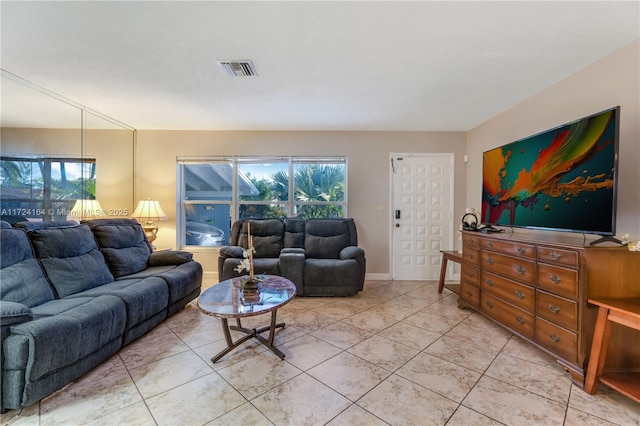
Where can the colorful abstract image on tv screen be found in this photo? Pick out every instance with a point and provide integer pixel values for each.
(559, 179)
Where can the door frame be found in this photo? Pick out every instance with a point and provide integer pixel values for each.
(450, 241)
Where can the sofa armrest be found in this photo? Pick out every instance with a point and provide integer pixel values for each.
(231, 252)
(292, 250)
(169, 257)
(14, 313)
(351, 252)
(292, 267)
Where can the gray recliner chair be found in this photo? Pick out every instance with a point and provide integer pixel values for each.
(320, 256)
(334, 265)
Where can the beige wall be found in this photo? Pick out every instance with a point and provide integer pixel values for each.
(613, 80)
(368, 155)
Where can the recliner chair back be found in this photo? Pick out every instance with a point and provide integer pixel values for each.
(325, 238)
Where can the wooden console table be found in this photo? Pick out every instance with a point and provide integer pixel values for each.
(447, 255)
(620, 311)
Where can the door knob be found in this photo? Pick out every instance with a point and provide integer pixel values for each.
(397, 225)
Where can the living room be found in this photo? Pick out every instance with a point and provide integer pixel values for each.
(592, 85)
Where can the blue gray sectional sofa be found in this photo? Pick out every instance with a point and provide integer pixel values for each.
(73, 294)
(320, 256)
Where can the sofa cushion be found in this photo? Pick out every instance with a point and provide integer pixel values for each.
(294, 233)
(143, 298)
(74, 333)
(70, 258)
(325, 238)
(21, 276)
(268, 236)
(123, 244)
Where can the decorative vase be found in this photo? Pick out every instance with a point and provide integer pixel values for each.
(251, 291)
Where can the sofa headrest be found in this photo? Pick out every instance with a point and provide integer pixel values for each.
(22, 278)
(30, 226)
(123, 243)
(12, 220)
(325, 238)
(15, 246)
(294, 233)
(268, 236)
(70, 258)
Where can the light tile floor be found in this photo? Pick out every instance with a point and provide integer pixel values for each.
(398, 353)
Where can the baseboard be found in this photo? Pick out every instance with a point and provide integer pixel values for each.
(377, 277)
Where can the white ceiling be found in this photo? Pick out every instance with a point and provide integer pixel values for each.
(325, 65)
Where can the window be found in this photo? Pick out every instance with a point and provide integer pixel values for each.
(44, 188)
(216, 192)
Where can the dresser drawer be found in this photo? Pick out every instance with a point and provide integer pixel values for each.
(511, 248)
(515, 268)
(558, 310)
(517, 294)
(470, 294)
(470, 240)
(470, 275)
(516, 319)
(471, 256)
(557, 256)
(558, 340)
(558, 280)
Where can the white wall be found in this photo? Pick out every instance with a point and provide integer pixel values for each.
(613, 80)
(368, 174)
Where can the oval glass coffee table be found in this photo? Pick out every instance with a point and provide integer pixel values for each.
(225, 300)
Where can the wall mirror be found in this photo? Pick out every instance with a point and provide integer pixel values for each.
(55, 152)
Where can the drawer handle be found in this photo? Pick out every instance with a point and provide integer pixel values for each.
(470, 274)
(554, 279)
(520, 320)
(555, 309)
(520, 294)
(470, 255)
(490, 282)
(469, 294)
(471, 240)
(555, 255)
(490, 244)
(490, 261)
(554, 337)
(490, 303)
(521, 250)
(521, 269)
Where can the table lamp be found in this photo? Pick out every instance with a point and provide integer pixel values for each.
(147, 212)
(85, 209)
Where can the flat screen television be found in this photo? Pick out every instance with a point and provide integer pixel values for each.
(563, 179)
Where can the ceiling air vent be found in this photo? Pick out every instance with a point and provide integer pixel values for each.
(238, 68)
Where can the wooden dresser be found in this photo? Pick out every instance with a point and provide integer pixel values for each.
(537, 285)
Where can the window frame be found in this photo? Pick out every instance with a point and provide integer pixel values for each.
(235, 203)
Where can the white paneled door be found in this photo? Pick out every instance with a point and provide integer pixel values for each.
(422, 214)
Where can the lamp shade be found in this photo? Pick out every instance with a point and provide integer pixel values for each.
(149, 211)
(86, 209)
